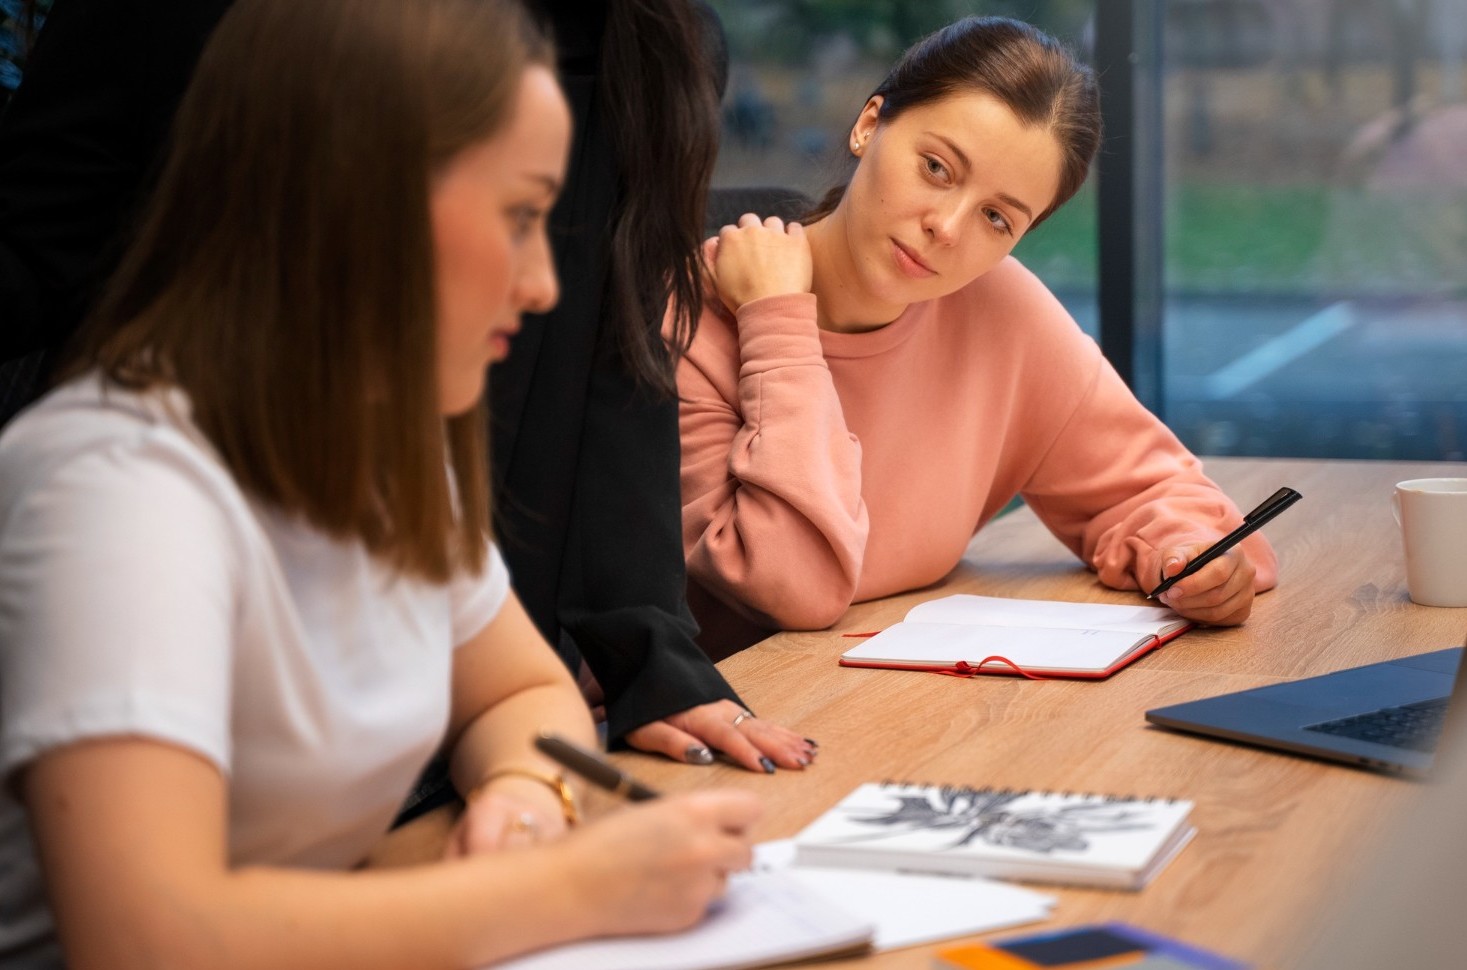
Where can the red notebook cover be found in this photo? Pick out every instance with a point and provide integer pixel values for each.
(998, 664)
(963, 635)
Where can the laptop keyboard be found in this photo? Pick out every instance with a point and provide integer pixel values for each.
(1412, 726)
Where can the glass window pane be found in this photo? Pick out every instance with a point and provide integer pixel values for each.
(1316, 226)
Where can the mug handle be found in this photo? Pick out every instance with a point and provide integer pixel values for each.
(1396, 506)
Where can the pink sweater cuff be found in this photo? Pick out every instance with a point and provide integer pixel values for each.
(778, 331)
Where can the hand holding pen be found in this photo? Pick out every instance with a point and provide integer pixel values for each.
(1210, 585)
(667, 857)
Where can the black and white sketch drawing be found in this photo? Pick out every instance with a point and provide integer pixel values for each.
(1013, 819)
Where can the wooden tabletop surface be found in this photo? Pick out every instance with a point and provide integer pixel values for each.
(1277, 833)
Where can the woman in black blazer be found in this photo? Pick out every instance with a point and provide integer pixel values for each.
(585, 438)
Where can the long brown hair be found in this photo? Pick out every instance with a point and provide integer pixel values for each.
(283, 272)
(661, 96)
(1041, 82)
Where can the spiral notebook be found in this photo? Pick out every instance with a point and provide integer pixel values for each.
(1104, 841)
(965, 634)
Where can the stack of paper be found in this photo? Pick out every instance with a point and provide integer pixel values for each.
(909, 908)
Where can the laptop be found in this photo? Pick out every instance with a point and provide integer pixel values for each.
(1386, 716)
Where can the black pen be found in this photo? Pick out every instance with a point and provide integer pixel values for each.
(594, 768)
(1252, 522)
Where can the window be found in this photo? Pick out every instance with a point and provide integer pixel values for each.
(1315, 212)
(1310, 199)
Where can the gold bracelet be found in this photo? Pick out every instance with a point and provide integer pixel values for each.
(555, 783)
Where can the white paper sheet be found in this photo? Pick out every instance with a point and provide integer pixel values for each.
(766, 917)
(910, 908)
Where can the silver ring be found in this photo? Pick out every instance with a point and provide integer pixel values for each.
(742, 716)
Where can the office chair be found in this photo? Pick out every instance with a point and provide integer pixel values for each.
(725, 205)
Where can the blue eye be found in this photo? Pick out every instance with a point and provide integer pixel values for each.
(998, 222)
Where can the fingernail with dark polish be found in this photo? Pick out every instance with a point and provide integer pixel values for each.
(804, 762)
(812, 742)
(767, 765)
(698, 755)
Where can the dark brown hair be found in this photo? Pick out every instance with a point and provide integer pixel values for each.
(1038, 78)
(660, 93)
(283, 272)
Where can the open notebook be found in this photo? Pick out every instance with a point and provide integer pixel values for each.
(767, 917)
(965, 634)
(783, 912)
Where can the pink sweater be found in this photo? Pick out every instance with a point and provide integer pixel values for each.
(821, 469)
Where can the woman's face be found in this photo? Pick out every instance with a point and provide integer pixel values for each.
(492, 258)
(942, 194)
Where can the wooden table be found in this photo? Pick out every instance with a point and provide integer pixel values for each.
(1276, 832)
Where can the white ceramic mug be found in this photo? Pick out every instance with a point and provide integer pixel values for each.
(1432, 513)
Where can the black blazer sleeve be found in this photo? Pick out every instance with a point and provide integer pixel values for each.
(623, 596)
(79, 144)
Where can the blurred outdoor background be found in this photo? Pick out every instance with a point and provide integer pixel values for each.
(1314, 199)
(1313, 196)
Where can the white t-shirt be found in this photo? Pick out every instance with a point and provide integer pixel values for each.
(142, 593)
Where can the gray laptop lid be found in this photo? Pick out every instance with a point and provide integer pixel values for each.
(1298, 715)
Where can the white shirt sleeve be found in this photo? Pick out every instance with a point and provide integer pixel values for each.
(477, 598)
(117, 604)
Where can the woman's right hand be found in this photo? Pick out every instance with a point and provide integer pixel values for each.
(655, 867)
(758, 259)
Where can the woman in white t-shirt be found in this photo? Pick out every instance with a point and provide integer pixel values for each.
(246, 589)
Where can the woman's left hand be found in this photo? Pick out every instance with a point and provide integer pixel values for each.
(1219, 594)
(693, 735)
(509, 812)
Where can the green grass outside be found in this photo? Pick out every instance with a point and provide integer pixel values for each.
(1277, 240)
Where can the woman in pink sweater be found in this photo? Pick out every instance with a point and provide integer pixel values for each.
(867, 392)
